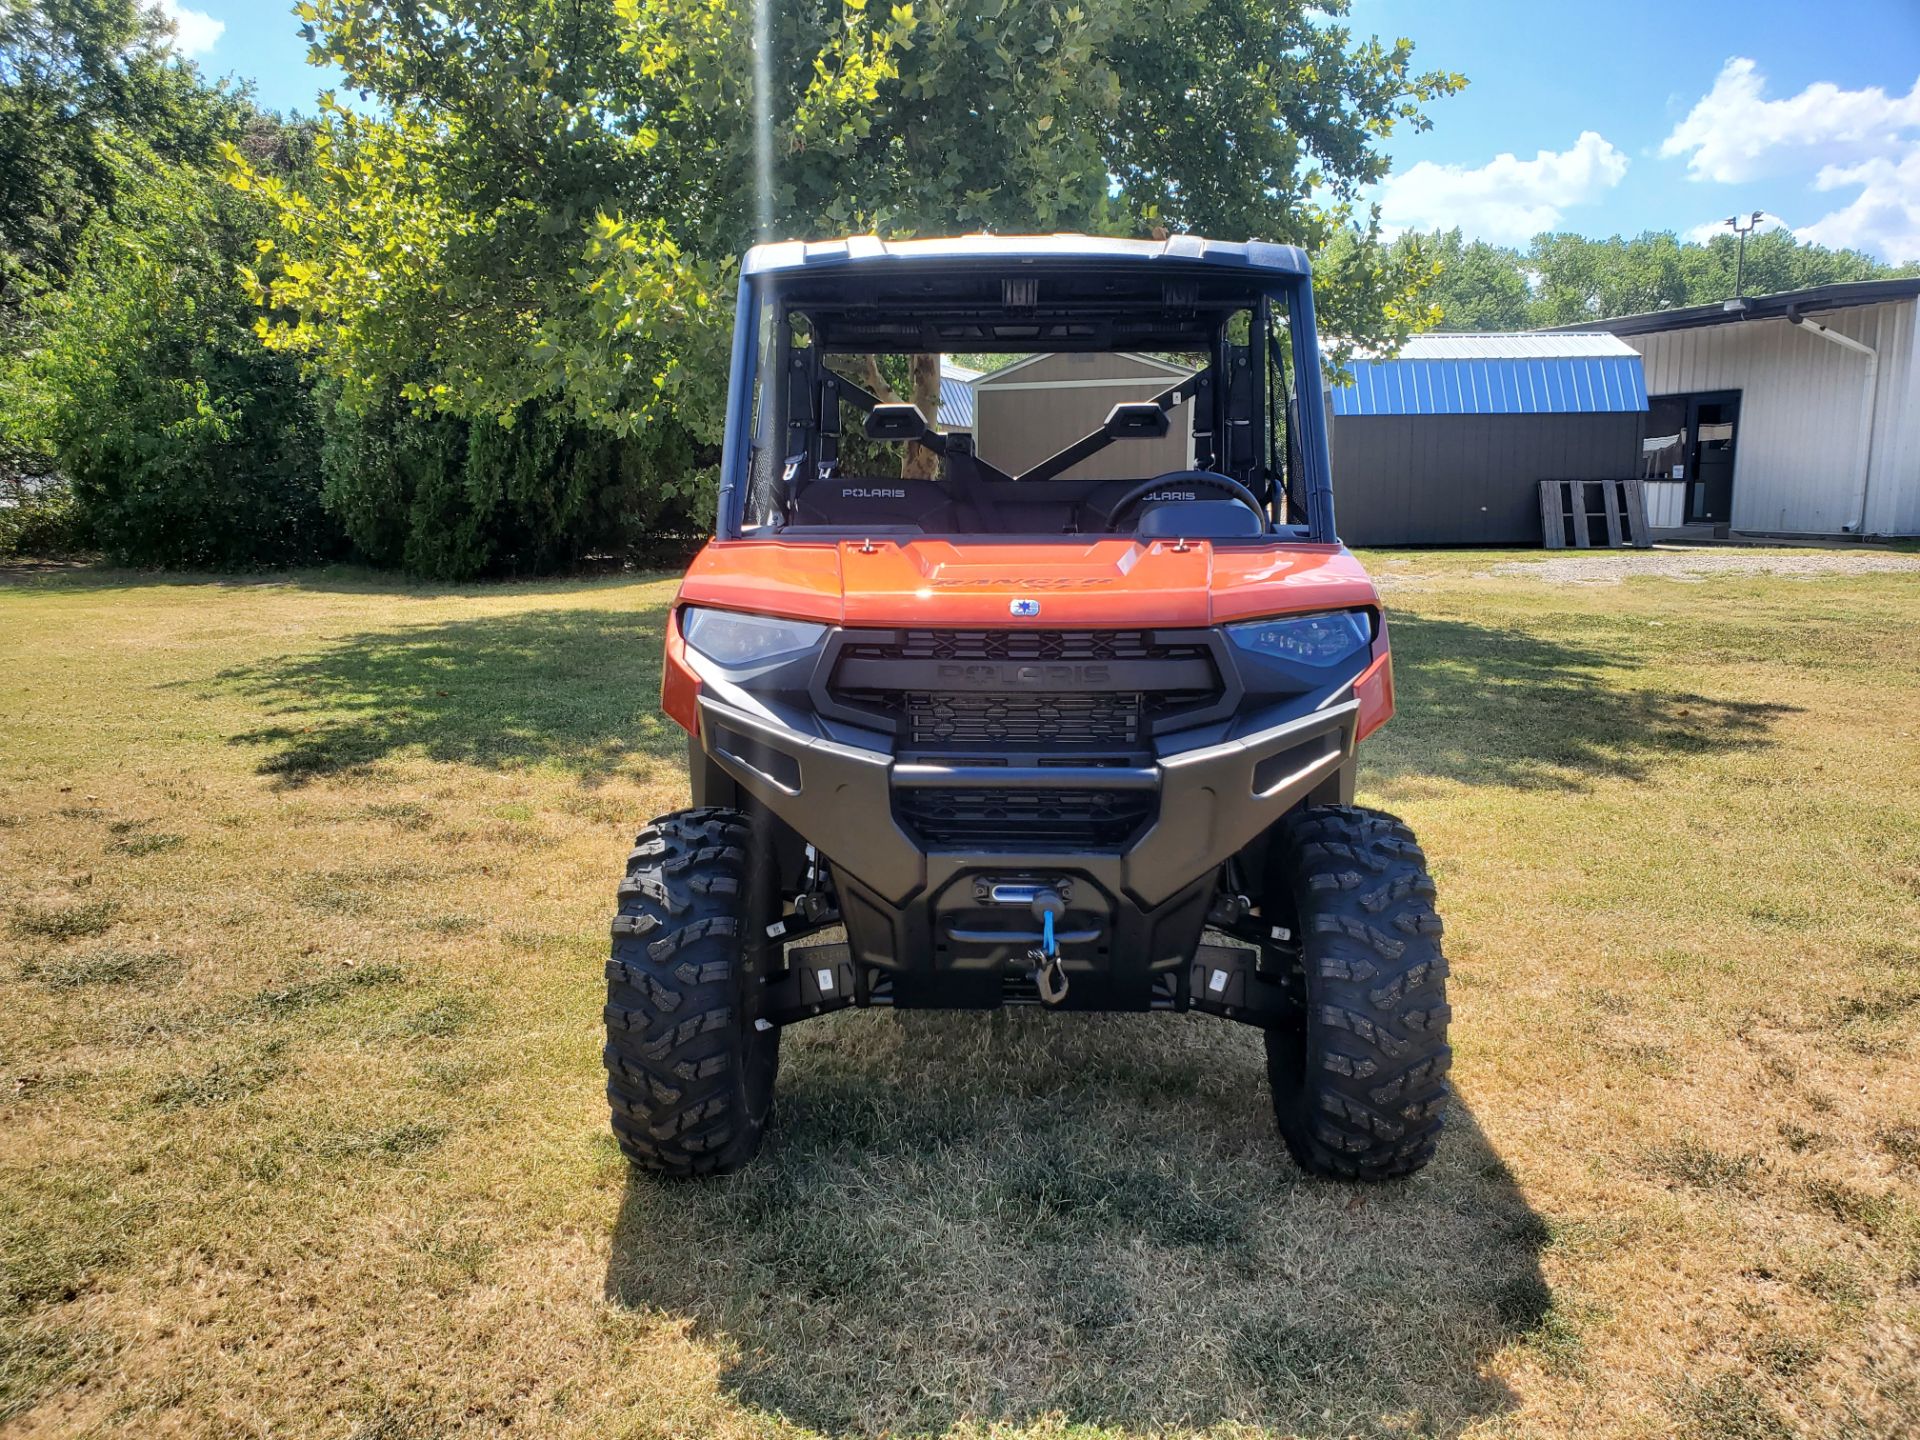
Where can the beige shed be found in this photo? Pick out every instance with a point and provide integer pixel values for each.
(1038, 406)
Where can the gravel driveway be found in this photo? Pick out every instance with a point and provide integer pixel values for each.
(1610, 567)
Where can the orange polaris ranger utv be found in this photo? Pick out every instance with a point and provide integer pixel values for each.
(1049, 698)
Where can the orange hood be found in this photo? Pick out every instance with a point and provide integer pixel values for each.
(1111, 582)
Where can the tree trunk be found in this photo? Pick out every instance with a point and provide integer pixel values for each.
(877, 385)
(923, 371)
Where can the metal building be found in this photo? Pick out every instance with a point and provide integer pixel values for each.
(1448, 443)
(1793, 414)
(956, 394)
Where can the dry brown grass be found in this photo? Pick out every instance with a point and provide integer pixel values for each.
(303, 887)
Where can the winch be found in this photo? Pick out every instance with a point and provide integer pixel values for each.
(1049, 978)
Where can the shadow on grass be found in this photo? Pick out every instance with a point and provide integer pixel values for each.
(1481, 704)
(1488, 705)
(971, 1217)
(575, 688)
(90, 575)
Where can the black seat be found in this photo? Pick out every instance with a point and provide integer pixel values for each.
(1198, 520)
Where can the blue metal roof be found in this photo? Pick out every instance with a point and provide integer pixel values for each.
(1498, 375)
(956, 395)
(1178, 249)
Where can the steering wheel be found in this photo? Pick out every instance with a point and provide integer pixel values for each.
(1184, 477)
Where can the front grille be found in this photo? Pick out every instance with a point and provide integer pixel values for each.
(944, 721)
(1059, 645)
(1025, 819)
(1085, 692)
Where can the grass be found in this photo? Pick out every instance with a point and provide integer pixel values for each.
(303, 886)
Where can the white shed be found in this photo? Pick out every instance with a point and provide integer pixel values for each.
(1793, 414)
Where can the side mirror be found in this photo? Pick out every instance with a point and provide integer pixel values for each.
(896, 422)
(1137, 419)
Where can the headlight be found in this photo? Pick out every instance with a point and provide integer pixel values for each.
(733, 639)
(1316, 640)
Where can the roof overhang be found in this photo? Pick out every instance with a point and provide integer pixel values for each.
(1756, 307)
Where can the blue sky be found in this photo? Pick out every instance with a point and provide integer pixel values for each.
(1601, 116)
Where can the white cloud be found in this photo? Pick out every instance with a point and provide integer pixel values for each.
(1884, 219)
(1735, 133)
(1507, 199)
(195, 31)
(1850, 138)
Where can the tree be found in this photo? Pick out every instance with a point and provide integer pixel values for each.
(1566, 279)
(544, 205)
(186, 442)
(83, 83)
(1776, 261)
(1477, 286)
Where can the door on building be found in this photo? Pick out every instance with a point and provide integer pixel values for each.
(1712, 419)
(1688, 451)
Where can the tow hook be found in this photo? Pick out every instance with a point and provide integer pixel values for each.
(1049, 978)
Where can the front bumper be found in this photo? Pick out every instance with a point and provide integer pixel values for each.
(1212, 801)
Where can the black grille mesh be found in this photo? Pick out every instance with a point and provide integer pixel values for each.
(1065, 645)
(1057, 719)
(1031, 819)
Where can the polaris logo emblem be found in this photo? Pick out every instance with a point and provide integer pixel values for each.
(1173, 495)
(1023, 608)
(858, 492)
(1048, 674)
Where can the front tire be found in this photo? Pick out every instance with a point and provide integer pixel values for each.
(689, 1077)
(1359, 1078)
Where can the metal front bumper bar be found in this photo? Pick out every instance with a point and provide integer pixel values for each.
(1213, 800)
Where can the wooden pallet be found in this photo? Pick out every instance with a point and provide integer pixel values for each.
(1590, 513)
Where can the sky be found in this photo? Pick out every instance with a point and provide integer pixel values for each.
(1597, 116)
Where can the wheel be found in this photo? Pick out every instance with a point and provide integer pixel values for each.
(689, 1078)
(1359, 1079)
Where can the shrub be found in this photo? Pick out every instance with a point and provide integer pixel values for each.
(450, 499)
(185, 441)
(38, 516)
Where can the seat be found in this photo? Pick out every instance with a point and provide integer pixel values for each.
(1198, 520)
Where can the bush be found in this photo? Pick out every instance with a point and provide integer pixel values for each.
(450, 499)
(38, 517)
(186, 442)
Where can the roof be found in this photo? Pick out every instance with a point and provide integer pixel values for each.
(1146, 362)
(1178, 250)
(1532, 374)
(1839, 296)
(1531, 346)
(956, 395)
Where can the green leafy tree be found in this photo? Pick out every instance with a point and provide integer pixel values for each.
(82, 84)
(186, 442)
(543, 205)
(1776, 261)
(1566, 279)
(1477, 286)
(1581, 278)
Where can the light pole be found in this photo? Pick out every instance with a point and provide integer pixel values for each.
(1740, 257)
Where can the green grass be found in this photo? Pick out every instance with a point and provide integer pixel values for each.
(303, 889)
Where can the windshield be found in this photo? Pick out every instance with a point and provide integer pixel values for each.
(992, 411)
